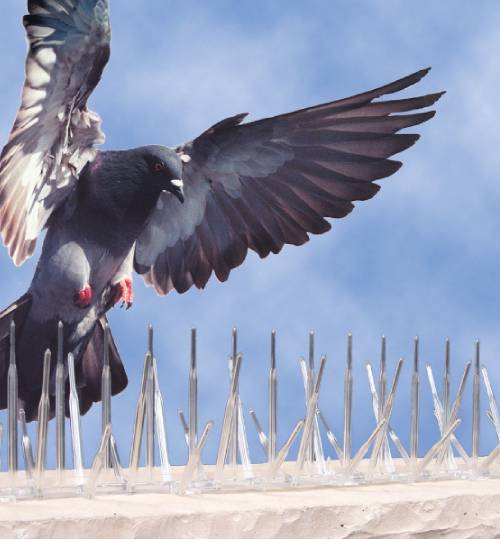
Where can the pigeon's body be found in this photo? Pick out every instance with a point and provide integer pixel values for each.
(174, 216)
(89, 243)
(90, 237)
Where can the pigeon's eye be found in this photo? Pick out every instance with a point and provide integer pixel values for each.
(158, 166)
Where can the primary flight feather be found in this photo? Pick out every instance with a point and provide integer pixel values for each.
(174, 215)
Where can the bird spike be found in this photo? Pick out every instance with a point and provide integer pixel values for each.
(60, 343)
(12, 343)
(150, 339)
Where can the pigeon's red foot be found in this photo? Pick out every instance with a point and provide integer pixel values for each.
(124, 292)
(82, 298)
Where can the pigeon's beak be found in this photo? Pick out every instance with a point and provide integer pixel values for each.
(178, 189)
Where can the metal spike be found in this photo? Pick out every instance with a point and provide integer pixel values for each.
(476, 405)
(310, 417)
(348, 382)
(273, 402)
(59, 406)
(193, 395)
(106, 394)
(150, 339)
(227, 422)
(195, 458)
(437, 447)
(282, 454)
(43, 421)
(386, 414)
(264, 441)
(150, 422)
(98, 463)
(310, 386)
(27, 447)
(12, 398)
(234, 427)
(161, 429)
(74, 412)
(415, 401)
(331, 437)
(140, 413)
(185, 427)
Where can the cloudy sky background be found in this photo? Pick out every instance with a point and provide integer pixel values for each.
(421, 258)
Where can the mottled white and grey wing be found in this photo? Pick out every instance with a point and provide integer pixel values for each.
(54, 133)
(272, 182)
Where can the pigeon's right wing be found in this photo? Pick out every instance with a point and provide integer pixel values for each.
(54, 133)
(268, 183)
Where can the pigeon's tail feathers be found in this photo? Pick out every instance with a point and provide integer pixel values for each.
(16, 312)
(89, 370)
(88, 365)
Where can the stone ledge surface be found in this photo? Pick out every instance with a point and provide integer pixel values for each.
(458, 509)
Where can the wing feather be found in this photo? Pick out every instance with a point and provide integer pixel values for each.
(272, 182)
(54, 133)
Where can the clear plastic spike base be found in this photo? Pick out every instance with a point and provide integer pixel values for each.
(324, 454)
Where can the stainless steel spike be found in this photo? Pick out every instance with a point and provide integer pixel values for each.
(43, 421)
(106, 394)
(476, 406)
(386, 414)
(415, 401)
(12, 389)
(360, 454)
(438, 447)
(348, 382)
(74, 413)
(138, 429)
(273, 402)
(59, 406)
(27, 447)
(310, 417)
(455, 408)
(331, 437)
(150, 423)
(283, 453)
(98, 463)
(161, 429)
(150, 339)
(185, 427)
(264, 441)
(149, 409)
(439, 414)
(193, 394)
(227, 422)
(195, 458)
(234, 428)
(311, 376)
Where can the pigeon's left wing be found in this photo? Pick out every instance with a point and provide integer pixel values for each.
(268, 183)
(54, 133)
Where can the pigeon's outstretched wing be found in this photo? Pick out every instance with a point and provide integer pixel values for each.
(268, 183)
(53, 134)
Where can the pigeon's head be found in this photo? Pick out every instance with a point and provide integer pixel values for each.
(164, 168)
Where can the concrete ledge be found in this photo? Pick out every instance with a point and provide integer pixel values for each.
(460, 509)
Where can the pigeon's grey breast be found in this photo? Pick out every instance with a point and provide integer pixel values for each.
(54, 133)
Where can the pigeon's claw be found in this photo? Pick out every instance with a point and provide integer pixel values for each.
(124, 291)
(83, 297)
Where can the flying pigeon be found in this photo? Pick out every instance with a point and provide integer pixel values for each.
(176, 215)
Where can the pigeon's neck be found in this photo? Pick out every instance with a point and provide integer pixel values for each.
(113, 188)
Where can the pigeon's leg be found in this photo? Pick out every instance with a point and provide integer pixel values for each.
(83, 297)
(121, 283)
(123, 291)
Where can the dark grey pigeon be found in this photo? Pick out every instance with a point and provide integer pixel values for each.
(174, 215)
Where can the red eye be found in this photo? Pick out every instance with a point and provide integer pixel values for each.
(158, 167)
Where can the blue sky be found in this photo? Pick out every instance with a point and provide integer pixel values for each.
(421, 258)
